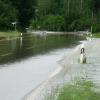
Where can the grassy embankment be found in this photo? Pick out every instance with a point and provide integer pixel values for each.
(96, 35)
(9, 34)
(80, 90)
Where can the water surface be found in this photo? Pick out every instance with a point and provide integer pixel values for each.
(29, 45)
(27, 61)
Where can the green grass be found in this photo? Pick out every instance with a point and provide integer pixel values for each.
(9, 34)
(96, 35)
(81, 90)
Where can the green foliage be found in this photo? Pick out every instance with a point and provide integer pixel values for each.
(73, 14)
(7, 15)
(54, 23)
(26, 10)
(51, 22)
(81, 90)
(79, 24)
(76, 14)
(21, 11)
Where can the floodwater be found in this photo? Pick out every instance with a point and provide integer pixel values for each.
(27, 61)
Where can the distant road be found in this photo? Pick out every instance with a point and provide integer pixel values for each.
(54, 32)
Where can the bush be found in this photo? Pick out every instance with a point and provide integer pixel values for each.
(7, 15)
(52, 23)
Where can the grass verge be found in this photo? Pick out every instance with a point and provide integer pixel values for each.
(9, 34)
(96, 35)
(80, 90)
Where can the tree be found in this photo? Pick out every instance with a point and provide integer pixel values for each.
(26, 11)
(97, 5)
(56, 6)
(73, 12)
(7, 15)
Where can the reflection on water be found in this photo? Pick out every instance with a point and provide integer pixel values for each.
(30, 45)
(19, 78)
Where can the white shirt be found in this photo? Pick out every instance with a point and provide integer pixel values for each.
(82, 46)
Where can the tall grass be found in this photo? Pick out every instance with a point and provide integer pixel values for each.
(80, 90)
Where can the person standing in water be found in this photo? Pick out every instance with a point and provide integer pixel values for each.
(82, 58)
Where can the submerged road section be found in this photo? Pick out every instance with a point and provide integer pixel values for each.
(28, 60)
(69, 68)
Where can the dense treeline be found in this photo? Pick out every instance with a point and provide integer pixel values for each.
(55, 15)
(19, 11)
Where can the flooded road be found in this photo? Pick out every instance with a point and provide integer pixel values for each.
(27, 61)
(70, 70)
